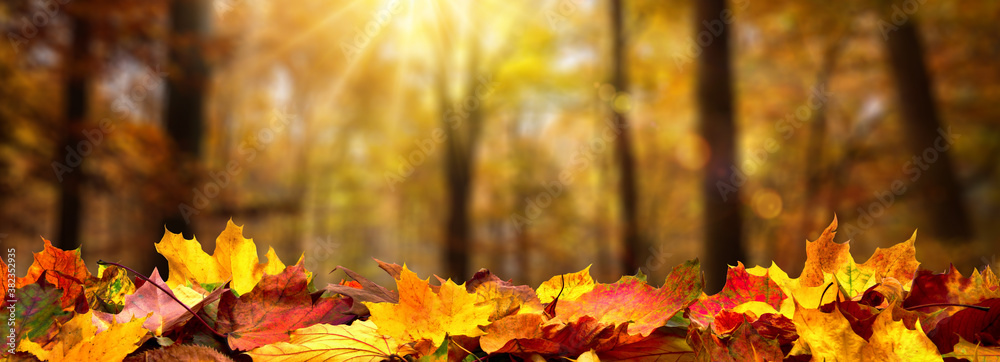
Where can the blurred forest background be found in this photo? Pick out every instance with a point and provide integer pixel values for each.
(528, 137)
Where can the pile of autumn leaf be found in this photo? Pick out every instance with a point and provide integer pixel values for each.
(837, 310)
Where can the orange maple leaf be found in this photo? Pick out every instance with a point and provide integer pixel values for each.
(423, 315)
(64, 269)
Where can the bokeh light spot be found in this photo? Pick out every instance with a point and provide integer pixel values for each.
(766, 203)
(692, 151)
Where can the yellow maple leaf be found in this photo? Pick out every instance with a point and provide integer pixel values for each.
(78, 340)
(892, 341)
(826, 336)
(422, 314)
(588, 356)
(974, 352)
(235, 258)
(576, 284)
(360, 341)
(798, 291)
(506, 300)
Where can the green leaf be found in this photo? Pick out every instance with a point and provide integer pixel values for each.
(37, 309)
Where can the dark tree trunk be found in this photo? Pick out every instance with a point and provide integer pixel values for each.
(623, 148)
(462, 137)
(185, 108)
(70, 205)
(723, 225)
(937, 186)
(457, 240)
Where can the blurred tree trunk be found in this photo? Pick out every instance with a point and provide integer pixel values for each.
(76, 99)
(791, 256)
(185, 106)
(623, 147)
(462, 125)
(521, 248)
(937, 186)
(723, 225)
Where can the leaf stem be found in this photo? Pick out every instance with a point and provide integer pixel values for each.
(824, 294)
(167, 291)
(977, 307)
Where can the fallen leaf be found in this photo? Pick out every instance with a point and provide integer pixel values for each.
(422, 314)
(589, 356)
(739, 341)
(511, 328)
(62, 268)
(974, 352)
(658, 346)
(630, 301)
(741, 287)
(860, 316)
(951, 287)
(164, 312)
(898, 262)
(78, 340)
(826, 256)
(827, 335)
(235, 259)
(551, 339)
(368, 292)
(571, 286)
(501, 296)
(37, 311)
(360, 341)
(970, 324)
(892, 341)
(109, 288)
(778, 327)
(180, 352)
(394, 270)
(277, 305)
